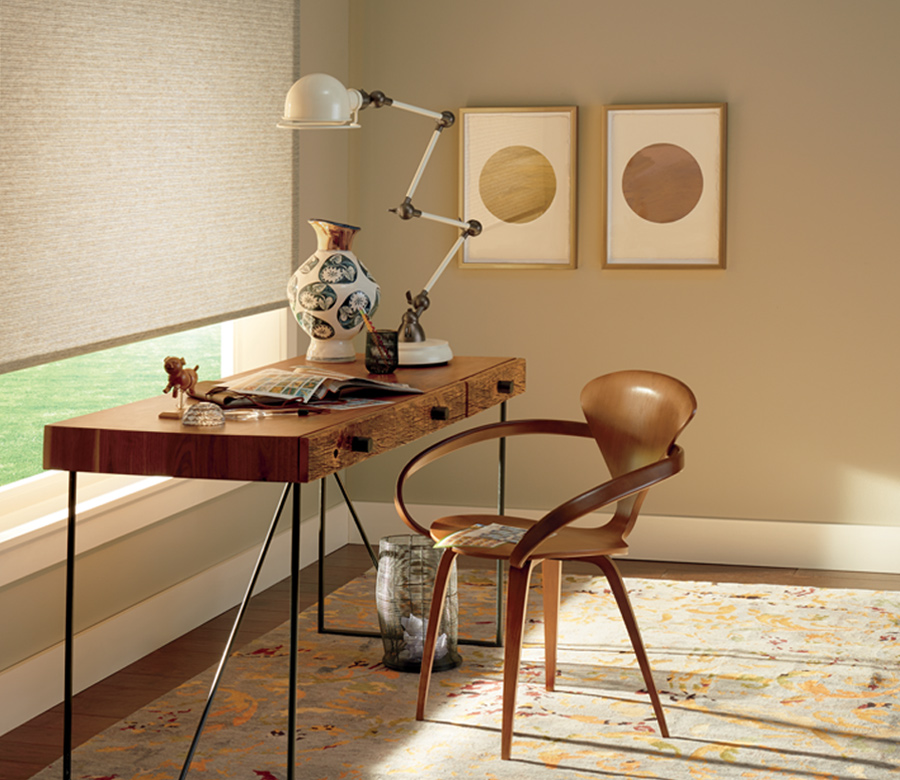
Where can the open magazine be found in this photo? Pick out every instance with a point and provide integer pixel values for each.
(478, 535)
(302, 385)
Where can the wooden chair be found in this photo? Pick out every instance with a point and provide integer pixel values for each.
(635, 417)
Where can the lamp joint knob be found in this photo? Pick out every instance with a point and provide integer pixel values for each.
(379, 99)
(406, 210)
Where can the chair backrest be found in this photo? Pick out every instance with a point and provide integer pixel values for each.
(635, 417)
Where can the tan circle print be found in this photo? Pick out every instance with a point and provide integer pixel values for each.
(517, 184)
(662, 183)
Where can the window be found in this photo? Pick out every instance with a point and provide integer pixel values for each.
(34, 508)
(34, 397)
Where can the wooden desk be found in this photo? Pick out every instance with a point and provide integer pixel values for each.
(132, 439)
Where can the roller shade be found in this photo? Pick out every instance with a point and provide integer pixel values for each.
(144, 187)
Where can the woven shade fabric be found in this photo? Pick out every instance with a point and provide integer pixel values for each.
(144, 187)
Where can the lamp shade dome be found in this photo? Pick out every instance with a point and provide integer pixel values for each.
(319, 100)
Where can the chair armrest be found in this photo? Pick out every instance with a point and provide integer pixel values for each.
(602, 495)
(473, 436)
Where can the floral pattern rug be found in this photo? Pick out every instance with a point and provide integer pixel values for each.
(758, 682)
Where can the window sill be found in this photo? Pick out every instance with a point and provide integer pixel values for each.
(33, 533)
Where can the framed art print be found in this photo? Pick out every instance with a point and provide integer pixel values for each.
(518, 180)
(664, 188)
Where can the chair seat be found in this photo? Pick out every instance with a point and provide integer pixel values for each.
(569, 543)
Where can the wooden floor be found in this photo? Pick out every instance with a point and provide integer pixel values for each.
(36, 744)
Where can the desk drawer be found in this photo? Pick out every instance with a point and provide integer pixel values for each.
(342, 446)
(493, 387)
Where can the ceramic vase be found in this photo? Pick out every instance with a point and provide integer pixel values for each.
(328, 293)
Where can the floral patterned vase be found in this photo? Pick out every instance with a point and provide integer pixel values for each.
(328, 293)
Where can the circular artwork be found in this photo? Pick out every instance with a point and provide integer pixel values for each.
(517, 184)
(662, 183)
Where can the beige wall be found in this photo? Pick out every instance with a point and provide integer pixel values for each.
(791, 350)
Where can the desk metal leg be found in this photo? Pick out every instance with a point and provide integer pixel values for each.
(501, 509)
(234, 630)
(69, 630)
(356, 521)
(320, 601)
(295, 609)
(320, 608)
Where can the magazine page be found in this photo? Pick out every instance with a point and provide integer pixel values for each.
(492, 535)
(307, 384)
(335, 382)
(279, 384)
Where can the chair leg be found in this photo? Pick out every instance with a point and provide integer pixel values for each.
(516, 604)
(438, 596)
(612, 573)
(551, 572)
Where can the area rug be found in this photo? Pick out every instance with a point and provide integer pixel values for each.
(757, 681)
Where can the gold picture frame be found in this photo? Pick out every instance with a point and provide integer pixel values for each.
(664, 185)
(518, 179)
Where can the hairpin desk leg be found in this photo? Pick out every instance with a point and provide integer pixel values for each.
(320, 602)
(356, 521)
(69, 631)
(248, 593)
(501, 509)
(320, 608)
(497, 641)
(295, 608)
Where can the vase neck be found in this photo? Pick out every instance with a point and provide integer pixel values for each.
(333, 236)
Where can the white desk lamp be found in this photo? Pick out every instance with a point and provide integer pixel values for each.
(320, 101)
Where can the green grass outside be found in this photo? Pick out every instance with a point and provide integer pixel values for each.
(35, 397)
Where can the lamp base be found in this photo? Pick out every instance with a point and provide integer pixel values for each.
(431, 352)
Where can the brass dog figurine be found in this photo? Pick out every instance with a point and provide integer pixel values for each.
(180, 378)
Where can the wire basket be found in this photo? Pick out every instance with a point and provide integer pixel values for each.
(406, 570)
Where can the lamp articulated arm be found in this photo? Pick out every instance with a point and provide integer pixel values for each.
(410, 327)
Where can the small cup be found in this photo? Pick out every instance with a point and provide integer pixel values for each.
(381, 351)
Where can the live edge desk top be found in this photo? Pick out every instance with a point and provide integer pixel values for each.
(132, 439)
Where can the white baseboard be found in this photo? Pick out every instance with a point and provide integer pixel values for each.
(859, 548)
(36, 684)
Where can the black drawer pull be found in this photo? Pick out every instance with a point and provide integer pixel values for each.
(505, 386)
(361, 444)
(440, 413)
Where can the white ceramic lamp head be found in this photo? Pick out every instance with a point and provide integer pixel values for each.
(317, 101)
